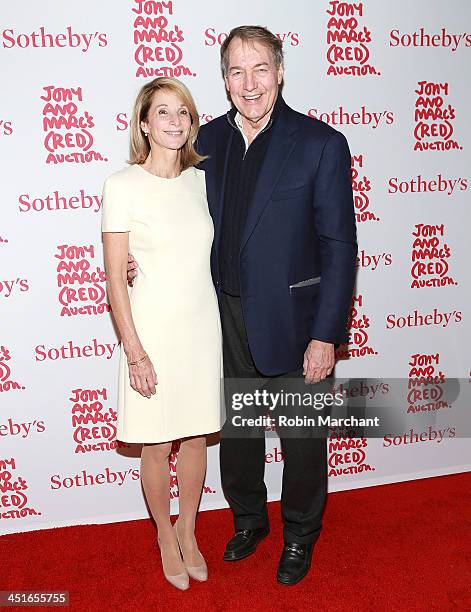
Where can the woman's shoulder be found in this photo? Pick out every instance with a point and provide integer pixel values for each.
(197, 173)
(198, 178)
(123, 176)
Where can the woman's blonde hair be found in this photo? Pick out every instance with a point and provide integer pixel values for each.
(139, 145)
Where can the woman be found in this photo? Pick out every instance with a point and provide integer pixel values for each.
(171, 363)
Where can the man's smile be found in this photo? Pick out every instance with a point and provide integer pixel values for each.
(252, 98)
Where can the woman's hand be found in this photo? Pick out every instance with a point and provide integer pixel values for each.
(142, 377)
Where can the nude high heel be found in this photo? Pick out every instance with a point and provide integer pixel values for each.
(199, 572)
(179, 581)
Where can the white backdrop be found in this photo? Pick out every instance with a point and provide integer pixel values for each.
(83, 64)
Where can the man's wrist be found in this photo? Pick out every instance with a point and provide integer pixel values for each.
(322, 341)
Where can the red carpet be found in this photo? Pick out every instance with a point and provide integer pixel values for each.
(397, 547)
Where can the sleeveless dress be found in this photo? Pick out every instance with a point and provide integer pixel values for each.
(173, 303)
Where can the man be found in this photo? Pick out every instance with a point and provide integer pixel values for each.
(283, 262)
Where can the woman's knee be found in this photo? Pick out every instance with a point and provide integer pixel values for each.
(195, 443)
(157, 452)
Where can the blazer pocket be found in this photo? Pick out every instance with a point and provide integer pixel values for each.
(288, 194)
(306, 283)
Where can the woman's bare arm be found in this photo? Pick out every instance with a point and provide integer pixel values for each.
(142, 375)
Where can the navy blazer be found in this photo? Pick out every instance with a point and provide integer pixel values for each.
(298, 250)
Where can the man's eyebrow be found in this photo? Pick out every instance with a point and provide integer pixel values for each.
(240, 67)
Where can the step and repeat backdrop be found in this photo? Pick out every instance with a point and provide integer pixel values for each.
(393, 78)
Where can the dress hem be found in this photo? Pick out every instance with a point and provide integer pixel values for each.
(153, 441)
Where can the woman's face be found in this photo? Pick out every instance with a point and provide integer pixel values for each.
(168, 122)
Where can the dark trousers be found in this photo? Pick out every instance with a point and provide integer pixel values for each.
(304, 486)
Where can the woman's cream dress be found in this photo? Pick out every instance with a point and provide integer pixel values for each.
(173, 303)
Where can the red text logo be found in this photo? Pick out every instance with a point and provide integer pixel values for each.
(414, 437)
(276, 456)
(42, 39)
(340, 116)
(6, 381)
(212, 37)
(373, 261)
(419, 184)
(425, 384)
(68, 132)
(361, 186)
(158, 51)
(417, 319)
(57, 201)
(82, 287)
(12, 428)
(433, 121)
(70, 350)
(93, 425)
(84, 478)
(6, 128)
(348, 41)
(347, 455)
(13, 492)
(430, 257)
(423, 39)
(7, 287)
(354, 390)
(358, 325)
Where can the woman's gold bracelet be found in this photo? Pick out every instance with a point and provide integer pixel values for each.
(138, 361)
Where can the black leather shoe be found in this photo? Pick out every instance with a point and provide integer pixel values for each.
(294, 563)
(244, 543)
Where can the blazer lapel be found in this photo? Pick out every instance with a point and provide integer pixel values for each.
(222, 157)
(281, 145)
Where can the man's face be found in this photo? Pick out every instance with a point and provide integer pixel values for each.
(252, 78)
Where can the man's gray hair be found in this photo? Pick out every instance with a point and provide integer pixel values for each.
(251, 33)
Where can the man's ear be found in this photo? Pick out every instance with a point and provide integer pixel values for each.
(226, 82)
(281, 72)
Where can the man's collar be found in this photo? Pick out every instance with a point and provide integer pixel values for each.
(240, 125)
(234, 114)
